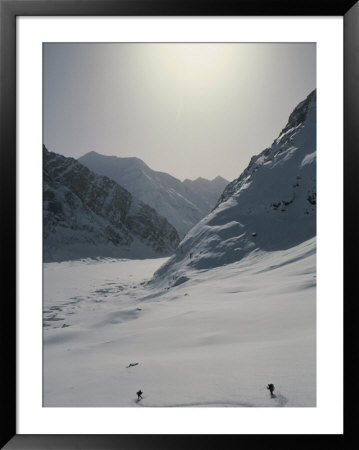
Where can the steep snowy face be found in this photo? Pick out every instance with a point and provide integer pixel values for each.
(271, 206)
(182, 204)
(87, 215)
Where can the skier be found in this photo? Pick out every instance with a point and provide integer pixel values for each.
(270, 387)
(139, 395)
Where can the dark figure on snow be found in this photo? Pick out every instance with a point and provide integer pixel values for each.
(139, 395)
(270, 387)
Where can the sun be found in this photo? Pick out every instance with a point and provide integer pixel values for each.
(192, 66)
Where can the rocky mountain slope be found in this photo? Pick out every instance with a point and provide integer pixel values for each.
(88, 215)
(270, 206)
(182, 203)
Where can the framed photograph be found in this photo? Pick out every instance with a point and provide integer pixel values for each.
(172, 278)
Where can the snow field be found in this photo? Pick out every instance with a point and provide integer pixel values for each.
(216, 340)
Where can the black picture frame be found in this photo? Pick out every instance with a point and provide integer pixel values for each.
(9, 10)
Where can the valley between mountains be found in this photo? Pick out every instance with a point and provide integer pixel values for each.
(198, 292)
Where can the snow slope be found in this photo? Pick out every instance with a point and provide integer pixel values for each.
(87, 215)
(216, 340)
(182, 204)
(271, 206)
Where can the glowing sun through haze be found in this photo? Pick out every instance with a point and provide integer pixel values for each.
(189, 66)
(188, 109)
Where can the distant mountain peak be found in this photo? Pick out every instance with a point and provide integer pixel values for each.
(91, 152)
(219, 180)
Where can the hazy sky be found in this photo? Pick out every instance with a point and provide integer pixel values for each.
(186, 109)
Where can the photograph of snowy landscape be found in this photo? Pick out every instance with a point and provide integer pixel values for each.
(179, 225)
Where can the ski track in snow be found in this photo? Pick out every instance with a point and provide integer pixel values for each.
(282, 401)
(279, 401)
(196, 404)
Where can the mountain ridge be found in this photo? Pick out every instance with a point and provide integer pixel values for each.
(181, 204)
(87, 215)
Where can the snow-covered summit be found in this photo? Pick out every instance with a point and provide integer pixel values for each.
(270, 206)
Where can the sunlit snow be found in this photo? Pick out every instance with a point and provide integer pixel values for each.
(215, 340)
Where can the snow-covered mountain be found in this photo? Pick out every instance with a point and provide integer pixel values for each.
(271, 206)
(88, 215)
(209, 190)
(182, 203)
